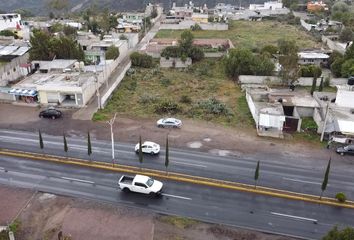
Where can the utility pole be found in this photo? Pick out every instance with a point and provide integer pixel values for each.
(325, 122)
(111, 122)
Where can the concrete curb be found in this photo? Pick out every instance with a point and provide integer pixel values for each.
(179, 177)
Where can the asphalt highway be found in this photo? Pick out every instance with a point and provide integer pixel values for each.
(293, 218)
(275, 172)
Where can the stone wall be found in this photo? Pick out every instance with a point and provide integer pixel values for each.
(174, 62)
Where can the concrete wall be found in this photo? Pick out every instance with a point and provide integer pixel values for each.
(345, 98)
(335, 46)
(174, 62)
(105, 97)
(214, 54)
(306, 25)
(188, 23)
(304, 112)
(304, 81)
(12, 70)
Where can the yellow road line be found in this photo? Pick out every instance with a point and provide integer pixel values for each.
(182, 178)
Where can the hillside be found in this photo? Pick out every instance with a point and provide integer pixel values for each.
(40, 7)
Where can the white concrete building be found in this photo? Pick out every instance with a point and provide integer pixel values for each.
(271, 5)
(10, 20)
(315, 58)
(336, 112)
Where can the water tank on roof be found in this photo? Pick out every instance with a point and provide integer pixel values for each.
(351, 81)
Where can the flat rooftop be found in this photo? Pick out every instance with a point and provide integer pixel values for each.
(72, 79)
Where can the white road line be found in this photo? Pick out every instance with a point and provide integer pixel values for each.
(295, 217)
(77, 180)
(1, 168)
(176, 196)
(189, 164)
(302, 181)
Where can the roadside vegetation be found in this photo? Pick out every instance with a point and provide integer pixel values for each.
(201, 91)
(253, 35)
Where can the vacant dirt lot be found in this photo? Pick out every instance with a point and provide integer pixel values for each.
(44, 216)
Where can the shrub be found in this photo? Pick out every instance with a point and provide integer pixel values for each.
(310, 71)
(141, 60)
(167, 106)
(112, 52)
(341, 197)
(172, 52)
(196, 53)
(214, 106)
(186, 99)
(196, 27)
(147, 99)
(165, 82)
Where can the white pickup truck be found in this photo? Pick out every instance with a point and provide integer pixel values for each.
(140, 184)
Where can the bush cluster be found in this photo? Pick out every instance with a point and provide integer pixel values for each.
(167, 106)
(214, 106)
(310, 71)
(141, 60)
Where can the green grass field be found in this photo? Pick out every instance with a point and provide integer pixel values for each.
(253, 35)
(192, 90)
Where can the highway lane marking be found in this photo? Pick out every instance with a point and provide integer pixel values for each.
(175, 196)
(295, 217)
(190, 164)
(302, 181)
(77, 180)
(1, 168)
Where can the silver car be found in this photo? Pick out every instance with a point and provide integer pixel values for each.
(169, 122)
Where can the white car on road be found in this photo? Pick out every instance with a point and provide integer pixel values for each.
(148, 147)
(169, 122)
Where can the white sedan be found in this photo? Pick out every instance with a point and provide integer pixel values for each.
(148, 147)
(169, 122)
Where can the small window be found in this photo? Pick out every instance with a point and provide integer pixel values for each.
(140, 185)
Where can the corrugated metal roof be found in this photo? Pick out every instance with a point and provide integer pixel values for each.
(20, 51)
(8, 50)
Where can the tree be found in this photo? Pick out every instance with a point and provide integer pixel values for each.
(141, 60)
(40, 47)
(140, 152)
(238, 62)
(336, 67)
(346, 35)
(196, 54)
(336, 234)
(325, 179)
(65, 145)
(186, 40)
(347, 68)
(271, 49)
(288, 59)
(46, 47)
(167, 157)
(256, 175)
(349, 53)
(262, 66)
(89, 147)
(25, 13)
(69, 31)
(112, 52)
(154, 13)
(172, 52)
(41, 145)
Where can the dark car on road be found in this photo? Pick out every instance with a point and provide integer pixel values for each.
(349, 149)
(50, 113)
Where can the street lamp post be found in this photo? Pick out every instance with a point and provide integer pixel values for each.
(111, 122)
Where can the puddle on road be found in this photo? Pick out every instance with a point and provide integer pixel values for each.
(195, 144)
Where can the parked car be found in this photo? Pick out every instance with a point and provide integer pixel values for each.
(50, 113)
(169, 122)
(148, 147)
(140, 184)
(349, 149)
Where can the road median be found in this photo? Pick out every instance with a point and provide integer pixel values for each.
(173, 176)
